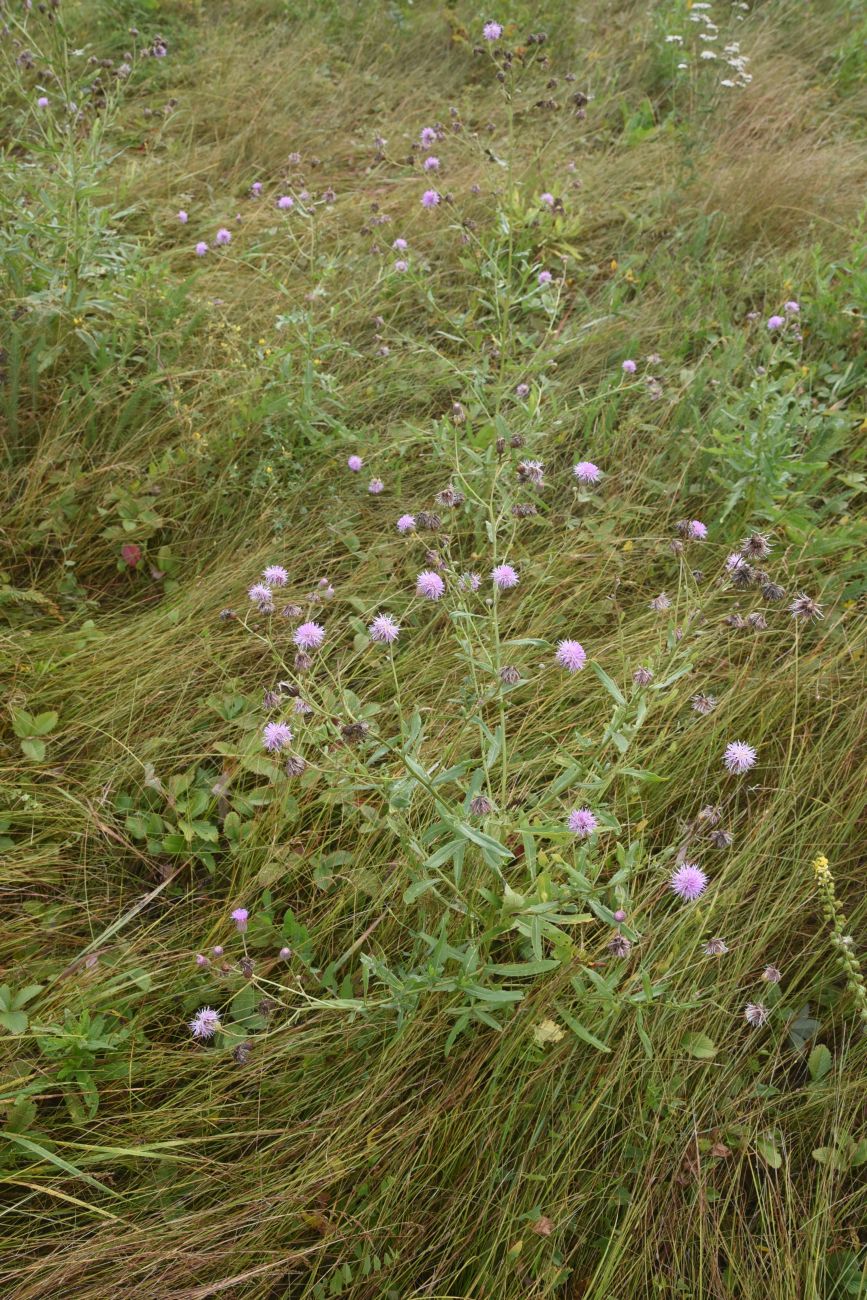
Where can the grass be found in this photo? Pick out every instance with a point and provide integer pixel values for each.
(450, 1086)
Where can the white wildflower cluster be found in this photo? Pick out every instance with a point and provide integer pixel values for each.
(708, 35)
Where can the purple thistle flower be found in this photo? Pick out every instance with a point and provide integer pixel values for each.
(205, 1023)
(544, 277)
(586, 472)
(431, 164)
(240, 916)
(276, 736)
(696, 530)
(285, 202)
(261, 596)
(217, 950)
(223, 236)
(522, 390)
(716, 947)
(256, 189)
(792, 308)
(470, 581)
(755, 1014)
(688, 882)
(355, 463)
(776, 322)
(383, 628)
(547, 199)
(492, 31)
(201, 960)
(504, 577)
(309, 636)
(400, 245)
(643, 676)
(406, 524)
(401, 265)
(660, 603)
(201, 248)
(430, 199)
(804, 607)
(739, 757)
(183, 217)
(275, 575)
(428, 135)
(42, 101)
(628, 367)
(571, 655)
(582, 822)
(284, 954)
(429, 584)
(772, 974)
(375, 486)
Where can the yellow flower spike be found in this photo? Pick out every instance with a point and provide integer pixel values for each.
(613, 264)
(822, 867)
(628, 546)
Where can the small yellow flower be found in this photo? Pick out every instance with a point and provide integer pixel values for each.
(628, 546)
(629, 278)
(268, 469)
(613, 264)
(821, 867)
(317, 361)
(261, 343)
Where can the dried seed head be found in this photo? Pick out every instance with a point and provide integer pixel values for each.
(516, 440)
(481, 806)
(241, 1053)
(524, 509)
(450, 496)
(710, 815)
(703, 704)
(756, 547)
(619, 946)
(716, 948)
(805, 608)
(227, 614)
(354, 732)
(509, 675)
(772, 974)
(772, 591)
(721, 839)
(295, 765)
(757, 620)
(742, 576)
(302, 662)
(291, 611)
(425, 519)
(642, 676)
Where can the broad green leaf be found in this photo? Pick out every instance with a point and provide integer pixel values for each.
(579, 1031)
(34, 749)
(699, 1046)
(767, 1149)
(819, 1062)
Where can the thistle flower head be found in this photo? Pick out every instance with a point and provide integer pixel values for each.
(532, 471)
(756, 1014)
(285, 202)
(492, 31)
(504, 576)
(696, 530)
(776, 322)
(756, 547)
(275, 575)
(201, 248)
(642, 676)
(544, 277)
(716, 948)
(510, 675)
(481, 805)
(430, 199)
(431, 164)
(355, 463)
(276, 736)
(429, 585)
(223, 236)
(619, 946)
(241, 916)
(309, 636)
(406, 524)
(629, 367)
(586, 472)
(703, 703)
(688, 882)
(660, 603)
(470, 581)
(571, 655)
(805, 608)
(295, 765)
(384, 628)
(772, 974)
(205, 1023)
(739, 757)
(375, 486)
(582, 822)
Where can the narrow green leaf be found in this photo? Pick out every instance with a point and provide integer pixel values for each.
(608, 682)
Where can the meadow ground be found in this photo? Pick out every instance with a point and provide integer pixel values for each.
(432, 590)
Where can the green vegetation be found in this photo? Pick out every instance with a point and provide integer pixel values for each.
(460, 1048)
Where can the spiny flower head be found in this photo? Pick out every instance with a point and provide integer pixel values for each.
(772, 974)
(739, 757)
(201, 248)
(480, 806)
(256, 189)
(544, 277)
(776, 322)
(183, 217)
(716, 948)
(354, 462)
(660, 603)
(400, 245)
(756, 547)
(285, 202)
(804, 607)
(643, 676)
(792, 308)
(276, 736)
(492, 31)
(261, 595)
(240, 916)
(696, 530)
(582, 822)
(205, 1023)
(309, 636)
(571, 655)
(703, 704)
(755, 1014)
(429, 585)
(430, 199)
(428, 135)
(431, 164)
(375, 486)
(223, 236)
(275, 575)
(504, 576)
(406, 524)
(688, 882)
(470, 581)
(629, 367)
(384, 628)
(586, 472)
